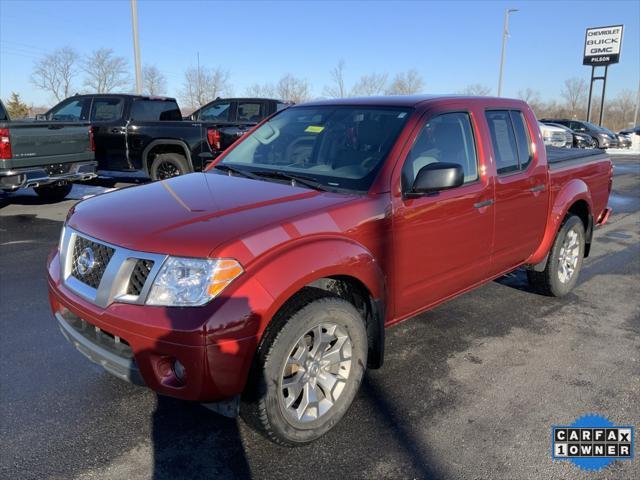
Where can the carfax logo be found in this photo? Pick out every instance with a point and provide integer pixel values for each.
(592, 442)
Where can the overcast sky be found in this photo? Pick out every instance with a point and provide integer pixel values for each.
(451, 44)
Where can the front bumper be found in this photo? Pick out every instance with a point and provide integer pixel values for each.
(140, 343)
(47, 174)
(110, 352)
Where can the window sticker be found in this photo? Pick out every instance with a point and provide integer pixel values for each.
(314, 129)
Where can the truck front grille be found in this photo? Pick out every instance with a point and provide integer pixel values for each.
(139, 276)
(104, 273)
(89, 261)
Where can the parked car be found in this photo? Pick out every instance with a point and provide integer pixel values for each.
(623, 140)
(43, 155)
(270, 277)
(555, 136)
(601, 136)
(579, 140)
(227, 119)
(626, 136)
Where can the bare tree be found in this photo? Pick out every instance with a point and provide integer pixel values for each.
(532, 97)
(338, 89)
(574, 94)
(55, 72)
(406, 83)
(261, 90)
(621, 109)
(476, 90)
(203, 85)
(105, 72)
(529, 95)
(153, 81)
(292, 89)
(371, 84)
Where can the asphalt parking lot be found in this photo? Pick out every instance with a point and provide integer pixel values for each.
(469, 390)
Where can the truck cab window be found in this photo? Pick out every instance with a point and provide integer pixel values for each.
(510, 140)
(445, 138)
(503, 140)
(155, 110)
(525, 153)
(218, 112)
(71, 111)
(106, 109)
(249, 112)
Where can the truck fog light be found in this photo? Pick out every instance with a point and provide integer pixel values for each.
(179, 371)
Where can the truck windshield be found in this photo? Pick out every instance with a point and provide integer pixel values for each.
(339, 147)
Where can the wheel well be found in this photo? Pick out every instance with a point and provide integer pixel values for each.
(164, 148)
(350, 289)
(581, 209)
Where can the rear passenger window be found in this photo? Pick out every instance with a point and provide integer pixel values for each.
(249, 112)
(143, 110)
(525, 155)
(510, 140)
(106, 109)
(445, 138)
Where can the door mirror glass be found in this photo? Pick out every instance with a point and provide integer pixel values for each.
(438, 176)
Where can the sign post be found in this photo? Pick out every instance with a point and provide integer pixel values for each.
(602, 46)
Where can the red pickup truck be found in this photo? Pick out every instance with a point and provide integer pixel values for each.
(264, 284)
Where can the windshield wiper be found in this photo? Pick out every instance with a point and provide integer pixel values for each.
(304, 180)
(239, 171)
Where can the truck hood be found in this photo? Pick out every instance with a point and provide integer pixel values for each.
(192, 215)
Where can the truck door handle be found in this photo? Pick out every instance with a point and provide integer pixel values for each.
(117, 130)
(537, 188)
(486, 203)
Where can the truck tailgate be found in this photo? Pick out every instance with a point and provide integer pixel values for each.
(41, 143)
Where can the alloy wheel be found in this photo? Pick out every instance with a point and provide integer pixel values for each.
(315, 373)
(167, 170)
(568, 257)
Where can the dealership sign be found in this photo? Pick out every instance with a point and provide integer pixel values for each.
(602, 45)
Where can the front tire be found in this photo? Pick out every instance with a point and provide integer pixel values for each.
(565, 260)
(168, 165)
(308, 373)
(54, 192)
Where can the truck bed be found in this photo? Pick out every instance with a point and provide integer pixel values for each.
(581, 167)
(557, 157)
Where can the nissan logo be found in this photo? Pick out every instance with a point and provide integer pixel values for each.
(86, 261)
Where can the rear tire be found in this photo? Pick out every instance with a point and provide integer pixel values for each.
(565, 261)
(54, 192)
(168, 165)
(307, 373)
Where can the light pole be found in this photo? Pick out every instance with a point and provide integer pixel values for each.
(136, 45)
(505, 34)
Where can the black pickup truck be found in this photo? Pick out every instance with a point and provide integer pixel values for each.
(230, 118)
(149, 134)
(47, 156)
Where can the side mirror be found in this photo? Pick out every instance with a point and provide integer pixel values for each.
(436, 177)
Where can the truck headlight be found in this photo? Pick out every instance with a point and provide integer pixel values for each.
(185, 282)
